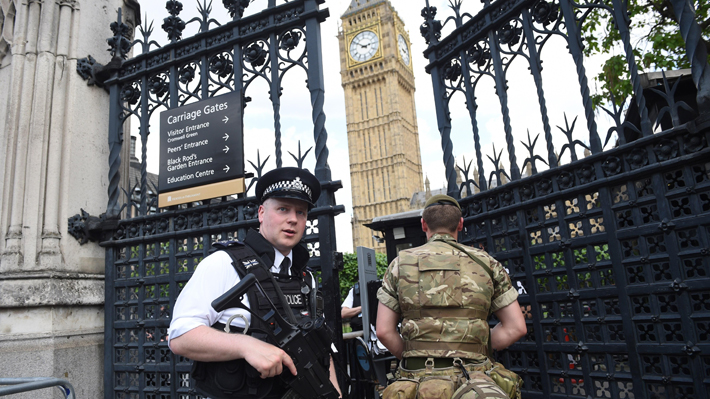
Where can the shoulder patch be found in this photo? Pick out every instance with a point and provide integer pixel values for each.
(249, 263)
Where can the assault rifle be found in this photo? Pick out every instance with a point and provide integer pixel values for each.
(306, 342)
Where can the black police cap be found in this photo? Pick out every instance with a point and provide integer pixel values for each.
(288, 182)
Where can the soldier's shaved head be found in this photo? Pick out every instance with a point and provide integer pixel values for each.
(442, 217)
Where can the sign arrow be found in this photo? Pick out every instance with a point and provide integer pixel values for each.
(225, 137)
(225, 149)
(226, 169)
(225, 120)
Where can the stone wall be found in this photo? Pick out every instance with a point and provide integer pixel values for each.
(53, 163)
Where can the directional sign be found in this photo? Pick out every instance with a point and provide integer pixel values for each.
(201, 146)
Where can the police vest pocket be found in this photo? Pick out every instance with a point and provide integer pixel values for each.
(217, 379)
(439, 284)
(231, 376)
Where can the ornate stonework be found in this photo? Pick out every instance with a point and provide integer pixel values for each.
(383, 139)
(7, 25)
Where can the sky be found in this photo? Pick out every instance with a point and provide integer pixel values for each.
(559, 82)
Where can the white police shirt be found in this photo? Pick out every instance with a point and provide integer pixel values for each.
(349, 300)
(214, 276)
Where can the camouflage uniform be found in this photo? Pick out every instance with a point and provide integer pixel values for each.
(445, 298)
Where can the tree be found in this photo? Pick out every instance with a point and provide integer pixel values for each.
(660, 46)
(349, 276)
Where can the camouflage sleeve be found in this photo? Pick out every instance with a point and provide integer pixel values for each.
(387, 294)
(504, 293)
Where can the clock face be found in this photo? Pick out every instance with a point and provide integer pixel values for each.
(364, 46)
(403, 49)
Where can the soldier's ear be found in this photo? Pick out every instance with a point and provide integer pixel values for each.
(460, 226)
(425, 227)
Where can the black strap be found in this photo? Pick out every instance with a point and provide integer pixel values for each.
(260, 271)
(462, 249)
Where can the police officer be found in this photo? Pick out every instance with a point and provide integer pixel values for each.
(196, 330)
(351, 309)
(443, 292)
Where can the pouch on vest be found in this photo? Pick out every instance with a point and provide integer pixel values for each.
(479, 386)
(435, 388)
(401, 389)
(439, 284)
(508, 380)
(223, 380)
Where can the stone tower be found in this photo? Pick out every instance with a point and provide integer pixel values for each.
(383, 140)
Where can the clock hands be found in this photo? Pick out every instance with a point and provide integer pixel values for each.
(364, 46)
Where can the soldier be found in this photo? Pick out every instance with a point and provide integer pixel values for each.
(240, 364)
(444, 292)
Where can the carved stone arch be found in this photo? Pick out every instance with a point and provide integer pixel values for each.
(7, 26)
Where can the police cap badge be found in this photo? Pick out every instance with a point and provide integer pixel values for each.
(288, 182)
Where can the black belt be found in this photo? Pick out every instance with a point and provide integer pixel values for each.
(414, 363)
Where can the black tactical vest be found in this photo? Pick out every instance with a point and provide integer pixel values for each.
(355, 321)
(237, 378)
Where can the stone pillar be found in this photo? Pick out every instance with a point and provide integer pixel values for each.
(53, 162)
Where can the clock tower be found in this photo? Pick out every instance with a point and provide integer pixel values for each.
(383, 140)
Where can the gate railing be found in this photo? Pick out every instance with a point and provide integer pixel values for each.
(10, 386)
(152, 252)
(610, 252)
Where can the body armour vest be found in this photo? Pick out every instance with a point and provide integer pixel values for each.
(355, 321)
(237, 378)
(445, 292)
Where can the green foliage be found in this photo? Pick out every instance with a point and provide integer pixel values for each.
(655, 38)
(581, 256)
(349, 275)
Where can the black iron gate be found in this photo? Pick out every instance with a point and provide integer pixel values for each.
(151, 252)
(611, 252)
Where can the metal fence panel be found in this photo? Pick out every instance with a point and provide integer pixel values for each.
(151, 252)
(610, 252)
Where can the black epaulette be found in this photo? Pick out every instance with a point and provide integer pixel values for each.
(219, 245)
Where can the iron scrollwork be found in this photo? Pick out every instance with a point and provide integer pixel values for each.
(545, 13)
(173, 25)
(431, 28)
(119, 45)
(509, 34)
(236, 7)
(478, 55)
(612, 166)
(221, 65)
(586, 174)
(131, 93)
(666, 149)
(637, 158)
(694, 142)
(255, 54)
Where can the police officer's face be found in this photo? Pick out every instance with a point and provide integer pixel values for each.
(283, 222)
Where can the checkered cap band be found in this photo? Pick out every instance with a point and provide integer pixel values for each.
(289, 185)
